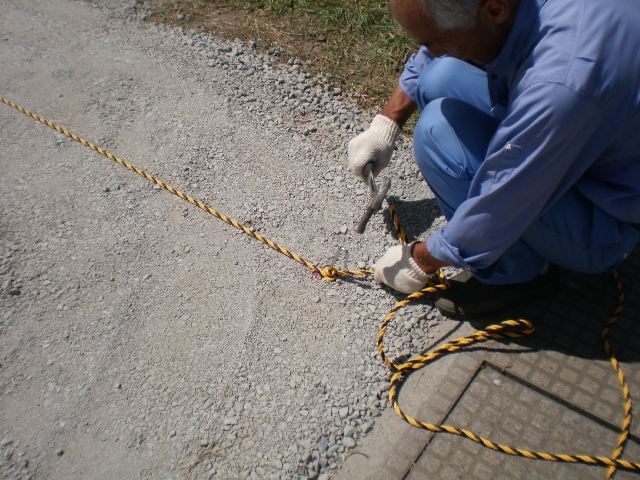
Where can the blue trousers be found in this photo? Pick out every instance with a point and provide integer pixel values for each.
(451, 141)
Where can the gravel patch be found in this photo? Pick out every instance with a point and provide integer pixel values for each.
(138, 331)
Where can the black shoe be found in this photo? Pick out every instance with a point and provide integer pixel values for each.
(468, 298)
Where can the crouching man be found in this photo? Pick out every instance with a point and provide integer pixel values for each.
(529, 137)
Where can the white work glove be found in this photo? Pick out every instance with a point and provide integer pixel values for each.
(374, 145)
(399, 270)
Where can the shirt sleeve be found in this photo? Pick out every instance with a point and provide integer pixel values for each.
(412, 69)
(539, 151)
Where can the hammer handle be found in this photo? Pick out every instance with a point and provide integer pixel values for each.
(368, 175)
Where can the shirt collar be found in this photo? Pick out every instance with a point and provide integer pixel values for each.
(519, 43)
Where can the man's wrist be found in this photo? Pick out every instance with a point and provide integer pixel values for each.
(400, 107)
(427, 262)
(386, 129)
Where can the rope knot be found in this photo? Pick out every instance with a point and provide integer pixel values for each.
(329, 273)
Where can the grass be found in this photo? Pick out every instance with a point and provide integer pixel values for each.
(357, 41)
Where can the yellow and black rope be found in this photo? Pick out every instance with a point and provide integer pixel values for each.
(506, 329)
(329, 272)
(402, 236)
(626, 422)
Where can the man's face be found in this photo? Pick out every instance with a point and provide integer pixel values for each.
(482, 44)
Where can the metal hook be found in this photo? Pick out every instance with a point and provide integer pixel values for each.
(341, 250)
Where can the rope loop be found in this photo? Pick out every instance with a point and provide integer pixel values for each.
(507, 329)
(438, 281)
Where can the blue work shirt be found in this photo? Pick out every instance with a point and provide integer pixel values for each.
(566, 89)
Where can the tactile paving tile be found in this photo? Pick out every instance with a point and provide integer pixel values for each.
(564, 365)
(505, 411)
(565, 356)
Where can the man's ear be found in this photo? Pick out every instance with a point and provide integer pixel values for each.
(496, 11)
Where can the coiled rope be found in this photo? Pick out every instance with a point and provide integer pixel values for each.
(506, 329)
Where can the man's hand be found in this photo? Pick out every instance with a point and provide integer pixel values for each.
(373, 146)
(399, 270)
(376, 144)
(406, 268)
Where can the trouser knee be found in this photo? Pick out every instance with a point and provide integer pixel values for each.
(440, 157)
(436, 145)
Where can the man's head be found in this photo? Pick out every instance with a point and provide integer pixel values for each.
(466, 29)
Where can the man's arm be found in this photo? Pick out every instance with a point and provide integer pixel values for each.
(401, 104)
(375, 145)
(400, 107)
(549, 138)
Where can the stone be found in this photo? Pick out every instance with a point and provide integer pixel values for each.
(176, 394)
(323, 444)
(306, 444)
(348, 442)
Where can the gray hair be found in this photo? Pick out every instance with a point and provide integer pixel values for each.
(452, 14)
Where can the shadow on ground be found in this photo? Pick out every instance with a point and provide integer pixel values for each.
(564, 359)
(554, 390)
(417, 215)
(570, 321)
